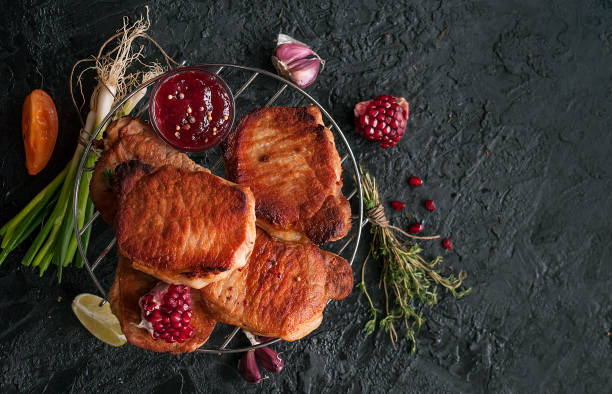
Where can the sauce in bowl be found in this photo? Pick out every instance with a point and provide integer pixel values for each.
(192, 109)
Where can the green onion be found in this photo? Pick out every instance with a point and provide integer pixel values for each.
(52, 207)
(89, 210)
(41, 198)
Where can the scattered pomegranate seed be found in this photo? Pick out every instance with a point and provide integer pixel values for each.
(447, 243)
(382, 119)
(415, 228)
(415, 181)
(430, 206)
(397, 205)
(167, 310)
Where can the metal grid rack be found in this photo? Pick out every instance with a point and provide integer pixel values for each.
(337, 247)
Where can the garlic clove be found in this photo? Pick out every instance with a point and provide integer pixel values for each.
(270, 359)
(305, 71)
(289, 53)
(296, 62)
(248, 368)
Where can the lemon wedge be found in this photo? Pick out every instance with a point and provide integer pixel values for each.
(98, 320)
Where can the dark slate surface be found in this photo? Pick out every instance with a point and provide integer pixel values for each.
(510, 129)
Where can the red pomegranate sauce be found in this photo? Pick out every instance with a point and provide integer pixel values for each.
(192, 109)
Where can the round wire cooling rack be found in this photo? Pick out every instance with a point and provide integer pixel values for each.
(212, 159)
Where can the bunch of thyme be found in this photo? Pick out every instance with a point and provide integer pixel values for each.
(406, 278)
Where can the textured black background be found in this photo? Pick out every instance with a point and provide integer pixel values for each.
(529, 82)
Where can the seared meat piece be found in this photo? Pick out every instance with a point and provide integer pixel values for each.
(289, 160)
(186, 227)
(127, 174)
(125, 140)
(127, 289)
(282, 290)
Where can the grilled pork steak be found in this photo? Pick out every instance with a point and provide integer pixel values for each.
(186, 227)
(289, 160)
(125, 140)
(282, 291)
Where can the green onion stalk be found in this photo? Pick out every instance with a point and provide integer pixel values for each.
(51, 210)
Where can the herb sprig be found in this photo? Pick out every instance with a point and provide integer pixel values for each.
(406, 278)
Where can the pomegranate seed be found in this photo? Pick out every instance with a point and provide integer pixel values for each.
(430, 206)
(397, 205)
(168, 309)
(415, 181)
(415, 228)
(171, 302)
(155, 316)
(447, 243)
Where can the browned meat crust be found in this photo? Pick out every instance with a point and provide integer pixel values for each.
(289, 160)
(129, 139)
(331, 222)
(338, 285)
(282, 290)
(186, 227)
(127, 289)
(127, 174)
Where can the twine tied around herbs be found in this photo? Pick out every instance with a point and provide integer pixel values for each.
(376, 216)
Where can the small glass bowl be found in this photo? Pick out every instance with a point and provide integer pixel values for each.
(219, 137)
